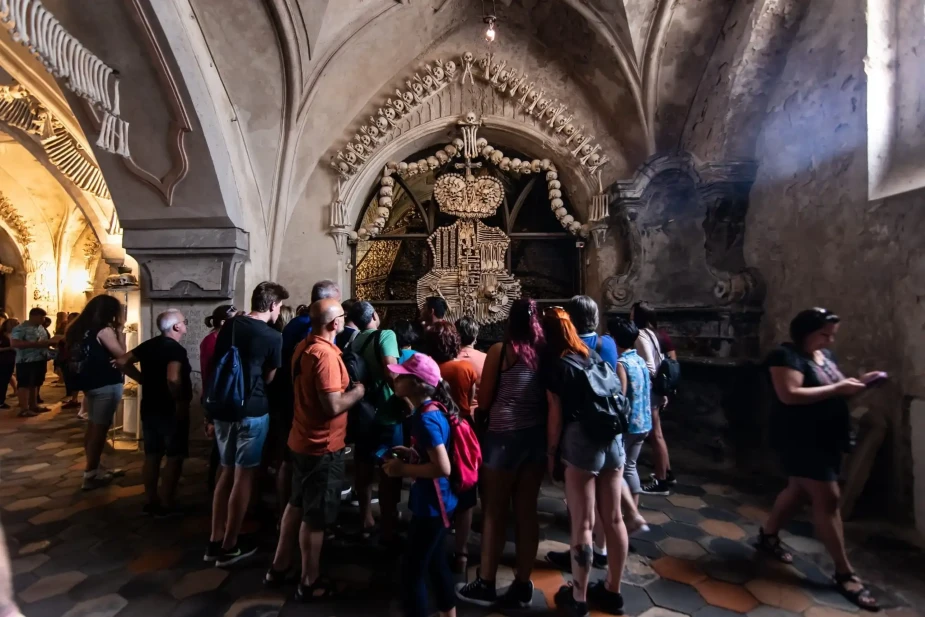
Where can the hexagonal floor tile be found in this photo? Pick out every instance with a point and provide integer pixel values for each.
(661, 612)
(770, 611)
(675, 596)
(635, 600)
(654, 517)
(197, 582)
(683, 515)
(645, 548)
(720, 501)
(28, 564)
(688, 489)
(715, 611)
(679, 570)
(825, 611)
(718, 489)
(687, 501)
(51, 586)
(156, 560)
(263, 605)
(753, 512)
(654, 534)
(726, 548)
(722, 529)
(683, 531)
(51, 445)
(802, 544)
(720, 514)
(25, 504)
(34, 547)
(726, 595)
(682, 549)
(779, 595)
(33, 467)
(638, 571)
(104, 606)
(736, 571)
(654, 502)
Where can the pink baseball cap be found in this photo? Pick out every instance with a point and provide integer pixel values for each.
(421, 366)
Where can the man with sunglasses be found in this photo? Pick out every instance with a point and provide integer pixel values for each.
(168, 390)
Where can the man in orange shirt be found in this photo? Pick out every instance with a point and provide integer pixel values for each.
(316, 441)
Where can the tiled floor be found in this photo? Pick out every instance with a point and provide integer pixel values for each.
(93, 554)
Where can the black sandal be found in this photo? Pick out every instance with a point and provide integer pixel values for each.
(274, 578)
(860, 597)
(770, 544)
(322, 589)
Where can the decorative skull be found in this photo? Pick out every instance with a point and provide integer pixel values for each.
(365, 140)
(442, 156)
(412, 168)
(382, 125)
(551, 175)
(505, 163)
(566, 220)
(383, 212)
(451, 149)
(516, 163)
(471, 118)
(450, 69)
(418, 89)
(459, 143)
(385, 191)
(467, 57)
(594, 159)
(487, 150)
(497, 156)
(587, 149)
(422, 165)
(557, 203)
(438, 74)
(408, 98)
(481, 142)
(432, 162)
(403, 167)
(428, 82)
(553, 194)
(388, 182)
(560, 212)
(350, 157)
(545, 163)
(385, 202)
(570, 130)
(555, 184)
(536, 165)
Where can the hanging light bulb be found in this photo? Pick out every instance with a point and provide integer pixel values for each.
(490, 32)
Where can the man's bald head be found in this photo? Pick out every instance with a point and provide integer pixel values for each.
(327, 315)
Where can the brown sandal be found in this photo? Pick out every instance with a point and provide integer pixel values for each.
(770, 544)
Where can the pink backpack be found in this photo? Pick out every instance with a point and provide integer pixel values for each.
(465, 455)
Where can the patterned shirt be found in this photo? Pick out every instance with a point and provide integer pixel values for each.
(637, 391)
(33, 334)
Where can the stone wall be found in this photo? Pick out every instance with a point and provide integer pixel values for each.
(818, 240)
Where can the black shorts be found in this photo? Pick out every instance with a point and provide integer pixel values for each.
(316, 485)
(31, 374)
(820, 465)
(166, 435)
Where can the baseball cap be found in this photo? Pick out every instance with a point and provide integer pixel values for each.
(421, 366)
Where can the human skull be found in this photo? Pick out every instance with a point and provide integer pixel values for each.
(481, 142)
(505, 163)
(450, 68)
(560, 212)
(497, 156)
(382, 123)
(594, 159)
(412, 168)
(526, 168)
(343, 167)
(545, 163)
(403, 167)
(422, 165)
(557, 203)
(352, 235)
(555, 194)
(382, 211)
(385, 202)
(451, 149)
(551, 175)
(487, 150)
(565, 220)
(555, 184)
(471, 118)
(365, 140)
(536, 166)
(432, 162)
(459, 143)
(438, 74)
(516, 163)
(388, 182)
(385, 191)
(575, 227)
(350, 157)
(442, 156)
(570, 130)
(428, 81)
(587, 149)
(363, 233)
(408, 98)
(380, 221)
(467, 58)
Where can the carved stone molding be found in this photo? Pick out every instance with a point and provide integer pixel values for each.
(719, 196)
(180, 123)
(21, 229)
(20, 109)
(188, 263)
(491, 72)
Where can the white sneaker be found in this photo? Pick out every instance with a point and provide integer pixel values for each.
(96, 479)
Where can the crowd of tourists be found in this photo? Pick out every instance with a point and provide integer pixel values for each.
(299, 391)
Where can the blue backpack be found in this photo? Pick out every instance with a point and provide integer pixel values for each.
(225, 392)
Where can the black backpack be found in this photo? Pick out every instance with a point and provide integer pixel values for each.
(361, 416)
(668, 373)
(603, 409)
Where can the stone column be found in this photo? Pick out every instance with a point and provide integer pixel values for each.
(192, 270)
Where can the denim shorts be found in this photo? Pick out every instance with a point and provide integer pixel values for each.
(509, 450)
(580, 451)
(240, 444)
(102, 403)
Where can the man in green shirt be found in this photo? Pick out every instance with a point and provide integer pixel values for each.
(378, 348)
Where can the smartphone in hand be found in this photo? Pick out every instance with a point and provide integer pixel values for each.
(875, 379)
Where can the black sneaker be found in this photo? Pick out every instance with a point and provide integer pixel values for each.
(518, 595)
(560, 560)
(563, 560)
(656, 487)
(213, 551)
(669, 478)
(233, 556)
(568, 605)
(604, 599)
(479, 591)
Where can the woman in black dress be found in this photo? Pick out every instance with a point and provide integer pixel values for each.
(810, 428)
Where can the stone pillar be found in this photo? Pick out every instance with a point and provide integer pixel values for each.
(192, 270)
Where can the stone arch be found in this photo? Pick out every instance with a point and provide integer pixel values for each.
(14, 283)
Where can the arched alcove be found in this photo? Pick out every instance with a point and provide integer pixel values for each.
(12, 283)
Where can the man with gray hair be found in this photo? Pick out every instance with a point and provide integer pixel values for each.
(168, 390)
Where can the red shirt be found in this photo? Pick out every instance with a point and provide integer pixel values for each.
(206, 351)
(461, 377)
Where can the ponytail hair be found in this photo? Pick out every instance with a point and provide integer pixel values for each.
(220, 315)
(440, 394)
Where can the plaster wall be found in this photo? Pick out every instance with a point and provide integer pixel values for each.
(818, 240)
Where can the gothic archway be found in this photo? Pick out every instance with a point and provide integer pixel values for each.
(404, 221)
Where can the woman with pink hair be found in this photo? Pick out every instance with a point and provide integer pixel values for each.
(513, 455)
